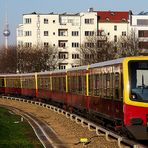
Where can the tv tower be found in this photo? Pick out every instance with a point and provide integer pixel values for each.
(6, 31)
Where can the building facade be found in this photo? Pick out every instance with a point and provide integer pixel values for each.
(68, 32)
(139, 24)
(114, 24)
(65, 31)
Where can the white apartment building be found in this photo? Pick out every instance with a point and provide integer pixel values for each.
(69, 31)
(139, 24)
(114, 24)
(65, 31)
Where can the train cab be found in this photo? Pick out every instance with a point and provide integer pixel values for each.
(136, 96)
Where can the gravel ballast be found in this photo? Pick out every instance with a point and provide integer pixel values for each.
(67, 130)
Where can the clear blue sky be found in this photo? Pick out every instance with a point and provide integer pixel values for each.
(18, 7)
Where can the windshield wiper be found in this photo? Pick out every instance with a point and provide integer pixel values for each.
(143, 85)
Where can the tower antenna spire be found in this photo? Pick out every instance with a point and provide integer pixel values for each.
(6, 31)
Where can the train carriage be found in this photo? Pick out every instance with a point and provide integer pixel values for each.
(44, 83)
(105, 91)
(77, 88)
(29, 85)
(114, 92)
(59, 86)
(12, 85)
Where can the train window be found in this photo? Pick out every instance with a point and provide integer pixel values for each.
(13, 83)
(108, 81)
(58, 83)
(62, 84)
(28, 82)
(111, 85)
(81, 84)
(138, 80)
(104, 94)
(72, 81)
(91, 82)
(44, 83)
(96, 84)
(117, 86)
(1, 82)
(69, 83)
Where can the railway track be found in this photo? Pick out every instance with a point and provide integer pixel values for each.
(110, 136)
(45, 134)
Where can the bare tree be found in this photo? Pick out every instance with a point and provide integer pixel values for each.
(96, 49)
(36, 59)
(128, 46)
(8, 62)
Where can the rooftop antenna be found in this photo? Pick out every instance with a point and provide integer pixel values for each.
(6, 31)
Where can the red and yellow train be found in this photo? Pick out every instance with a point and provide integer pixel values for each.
(114, 93)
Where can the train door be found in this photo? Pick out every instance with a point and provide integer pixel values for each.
(117, 92)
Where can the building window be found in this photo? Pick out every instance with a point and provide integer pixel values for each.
(45, 33)
(62, 43)
(62, 32)
(123, 45)
(75, 56)
(89, 45)
(100, 44)
(143, 33)
(53, 21)
(28, 33)
(89, 56)
(140, 33)
(53, 33)
(143, 45)
(75, 33)
(123, 33)
(62, 65)
(27, 20)
(28, 44)
(45, 21)
(115, 28)
(89, 33)
(115, 38)
(20, 33)
(46, 44)
(89, 21)
(101, 33)
(142, 22)
(63, 55)
(75, 44)
(75, 65)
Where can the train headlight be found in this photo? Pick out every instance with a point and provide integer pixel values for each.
(136, 121)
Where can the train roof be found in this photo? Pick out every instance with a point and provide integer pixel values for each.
(78, 68)
(100, 64)
(107, 63)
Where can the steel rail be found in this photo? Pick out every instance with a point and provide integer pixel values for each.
(46, 135)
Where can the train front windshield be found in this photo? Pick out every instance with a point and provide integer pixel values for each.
(138, 78)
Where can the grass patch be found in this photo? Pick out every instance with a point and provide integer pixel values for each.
(13, 134)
